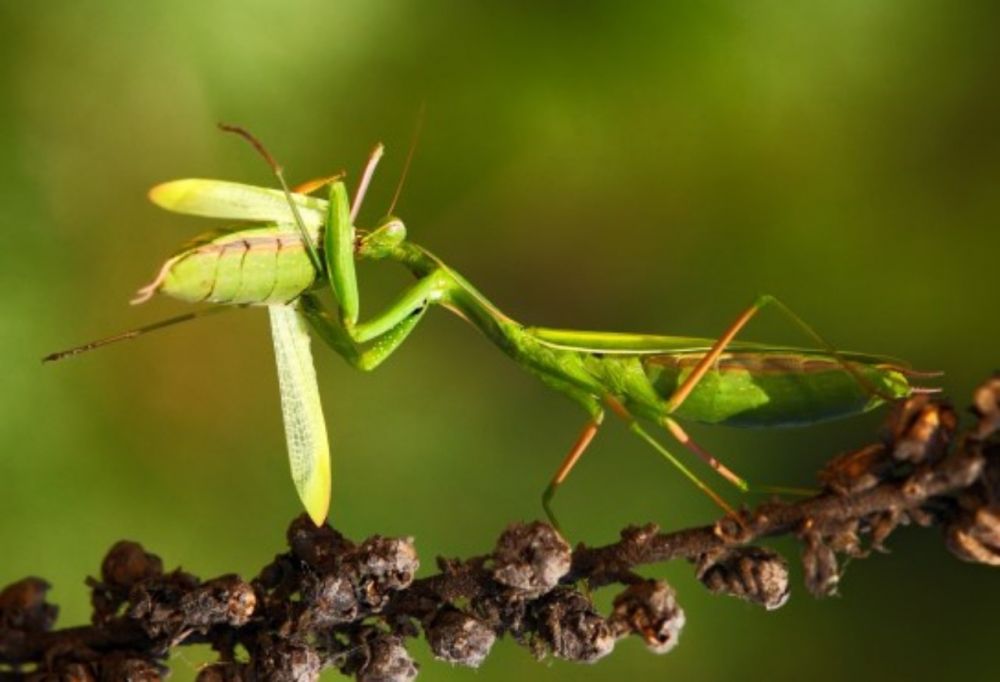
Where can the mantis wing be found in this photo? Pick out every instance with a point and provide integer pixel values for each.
(305, 428)
(651, 344)
(236, 201)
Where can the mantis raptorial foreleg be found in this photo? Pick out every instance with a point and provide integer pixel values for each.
(387, 330)
(339, 240)
(337, 338)
(339, 253)
(414, 300)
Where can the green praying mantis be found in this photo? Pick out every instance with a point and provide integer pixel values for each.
(290, 245)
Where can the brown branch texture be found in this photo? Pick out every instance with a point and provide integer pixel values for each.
(330, 602)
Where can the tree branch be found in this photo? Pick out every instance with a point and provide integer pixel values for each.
(330, 602)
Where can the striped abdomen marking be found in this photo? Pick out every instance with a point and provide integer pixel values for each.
(780, 389)
(258, 266)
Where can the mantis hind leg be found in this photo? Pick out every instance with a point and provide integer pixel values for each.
(634, 426)
(682, 437)
(712, 356)
(711, 460)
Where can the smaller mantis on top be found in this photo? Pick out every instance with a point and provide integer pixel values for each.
(297, 245)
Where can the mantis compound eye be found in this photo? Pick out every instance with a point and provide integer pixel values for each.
(387, 236)
(394, 231)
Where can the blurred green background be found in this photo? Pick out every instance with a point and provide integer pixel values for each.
(624, 166)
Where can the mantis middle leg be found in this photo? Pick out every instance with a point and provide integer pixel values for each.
(596, 412)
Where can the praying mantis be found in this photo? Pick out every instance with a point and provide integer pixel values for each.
(290, 245)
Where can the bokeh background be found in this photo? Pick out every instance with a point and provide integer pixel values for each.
(623, 166)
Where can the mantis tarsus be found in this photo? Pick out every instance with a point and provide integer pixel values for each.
(298, 243)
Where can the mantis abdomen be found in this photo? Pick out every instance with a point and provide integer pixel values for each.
(774, 389)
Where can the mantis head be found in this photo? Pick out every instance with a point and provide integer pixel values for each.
(383, 240)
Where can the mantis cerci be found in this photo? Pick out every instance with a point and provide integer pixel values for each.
(296, 244)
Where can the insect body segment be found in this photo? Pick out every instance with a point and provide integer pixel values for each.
(258, 266)
(772, 389)
(302, 413)
(239, 202)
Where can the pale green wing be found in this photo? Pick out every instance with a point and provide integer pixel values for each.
(305, 428)
(236, 201)
(612, 343)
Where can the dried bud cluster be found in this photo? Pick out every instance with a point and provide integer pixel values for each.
(457, 637)
(126, 564)
(916, 457)
(166, 606)
(357, 582)
(329, 602)
(174, 606)
(23, 606)
(918, 430)
(531, 559)
(986, 405)
(649, 609)
(975, 536)
(974, 533)
(386, 660)
(755, 574)
(819, 562)
(571, 628)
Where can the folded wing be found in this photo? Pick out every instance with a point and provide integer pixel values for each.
(305, 428)
(236, 201)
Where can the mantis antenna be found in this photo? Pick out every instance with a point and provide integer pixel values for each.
(417, 129)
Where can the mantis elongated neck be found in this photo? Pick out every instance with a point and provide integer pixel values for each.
(460, 296)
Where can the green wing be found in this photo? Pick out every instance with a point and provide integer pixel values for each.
(305, 428)
(651, 344)
(236, 201)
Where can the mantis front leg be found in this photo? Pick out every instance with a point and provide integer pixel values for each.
(337, 337)
(413, 302)
(339, 254)
(339, 250)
